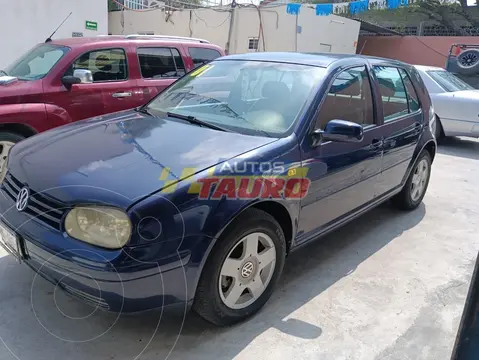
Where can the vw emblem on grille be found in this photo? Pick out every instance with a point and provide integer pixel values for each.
(247, 269)
(22, 199)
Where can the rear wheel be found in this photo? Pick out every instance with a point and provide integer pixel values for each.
(416, 185)
(242, 270)
(7, 140)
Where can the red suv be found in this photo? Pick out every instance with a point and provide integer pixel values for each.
(61, 81)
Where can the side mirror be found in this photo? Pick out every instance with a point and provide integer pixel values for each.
(69, 80)
(85, 76)
(340, 131)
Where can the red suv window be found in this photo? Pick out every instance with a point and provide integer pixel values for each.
(201, 56)
(158, 63)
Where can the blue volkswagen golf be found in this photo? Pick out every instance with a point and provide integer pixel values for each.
(196, 198)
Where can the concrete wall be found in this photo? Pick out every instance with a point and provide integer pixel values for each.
(417, 50)
(318, 33)
(28, 22)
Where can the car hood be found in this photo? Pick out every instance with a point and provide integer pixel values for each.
(14, 92)
(119, 158)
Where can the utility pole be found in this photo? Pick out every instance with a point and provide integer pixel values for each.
(232, 23)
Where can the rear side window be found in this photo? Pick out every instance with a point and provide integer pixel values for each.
(393, 92)
(201, 56)
(157, 63)
(349, 98)
(105, 65)
(412, 97)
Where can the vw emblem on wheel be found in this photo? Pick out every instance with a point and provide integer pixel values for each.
(22, 199)
(247, 269)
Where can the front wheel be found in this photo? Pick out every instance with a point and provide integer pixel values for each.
(7, 140)
(242, 270)
(416, 185)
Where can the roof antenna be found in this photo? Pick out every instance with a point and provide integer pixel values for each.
(49, 39)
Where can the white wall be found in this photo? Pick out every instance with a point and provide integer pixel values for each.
(25, 23)
(319, 33)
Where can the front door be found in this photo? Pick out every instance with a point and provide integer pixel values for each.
(110, 90)
(403, 123)
(343, 175)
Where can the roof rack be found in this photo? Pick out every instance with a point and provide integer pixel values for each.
(164, 37)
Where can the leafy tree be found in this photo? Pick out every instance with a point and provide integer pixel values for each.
(445, 13)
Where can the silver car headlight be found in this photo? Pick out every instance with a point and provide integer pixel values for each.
(99, 225)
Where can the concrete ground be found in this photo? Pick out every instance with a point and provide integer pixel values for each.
(390, 285)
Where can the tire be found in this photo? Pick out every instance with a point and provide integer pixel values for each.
(210, 300)
(468, 62)
(406, 200)
(7, 138)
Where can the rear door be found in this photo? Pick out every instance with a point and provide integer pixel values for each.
(403, 124)
(160, 66)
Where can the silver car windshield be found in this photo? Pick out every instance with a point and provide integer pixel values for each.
(448, 81)
(251, 97)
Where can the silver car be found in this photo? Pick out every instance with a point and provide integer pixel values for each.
(455, 102)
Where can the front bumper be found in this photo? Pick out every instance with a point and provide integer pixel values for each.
(118, 281)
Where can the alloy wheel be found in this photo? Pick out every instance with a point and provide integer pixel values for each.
(4, 149)
(247, 270)
(419, 179)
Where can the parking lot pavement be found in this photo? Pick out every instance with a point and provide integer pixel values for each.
(390, 285)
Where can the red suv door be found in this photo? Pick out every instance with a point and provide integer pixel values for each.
(160, 66)
(111, 89)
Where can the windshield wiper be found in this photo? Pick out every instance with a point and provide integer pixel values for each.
(3, 72)
(193, 120)
(143, 110)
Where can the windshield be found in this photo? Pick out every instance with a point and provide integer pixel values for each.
(250, 97)
(37, 63)
(448, 81)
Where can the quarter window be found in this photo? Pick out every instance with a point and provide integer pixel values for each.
(105, 65)
(393, 92)
(412, 97)
(201, 56)
(349, 98)
(157, 63)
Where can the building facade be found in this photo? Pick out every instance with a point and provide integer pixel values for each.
(26, 23)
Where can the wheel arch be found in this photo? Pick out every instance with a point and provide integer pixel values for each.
(17, 128)
(273, 208)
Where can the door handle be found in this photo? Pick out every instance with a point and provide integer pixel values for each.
(377, 143)
(417, 128)
(122, 94)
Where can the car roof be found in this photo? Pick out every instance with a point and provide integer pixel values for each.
(105, 40)
(311, 59)
(427, 68)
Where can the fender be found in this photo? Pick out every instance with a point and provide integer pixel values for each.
(33, 115)
(292, 210)
(38, 116)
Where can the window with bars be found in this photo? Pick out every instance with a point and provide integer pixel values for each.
(253, 43)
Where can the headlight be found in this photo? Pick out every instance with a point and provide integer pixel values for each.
(102, 226)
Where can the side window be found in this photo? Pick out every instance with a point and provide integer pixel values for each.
(105, 65)
(392, 91)
(412, 97)
(349, 98)
(157, 63)
(201, 56)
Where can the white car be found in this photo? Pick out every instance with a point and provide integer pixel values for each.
(455, 102)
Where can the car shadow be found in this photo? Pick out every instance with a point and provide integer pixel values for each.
(308, 272)
(459, 146)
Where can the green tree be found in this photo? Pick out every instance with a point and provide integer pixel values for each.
(446, 13)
